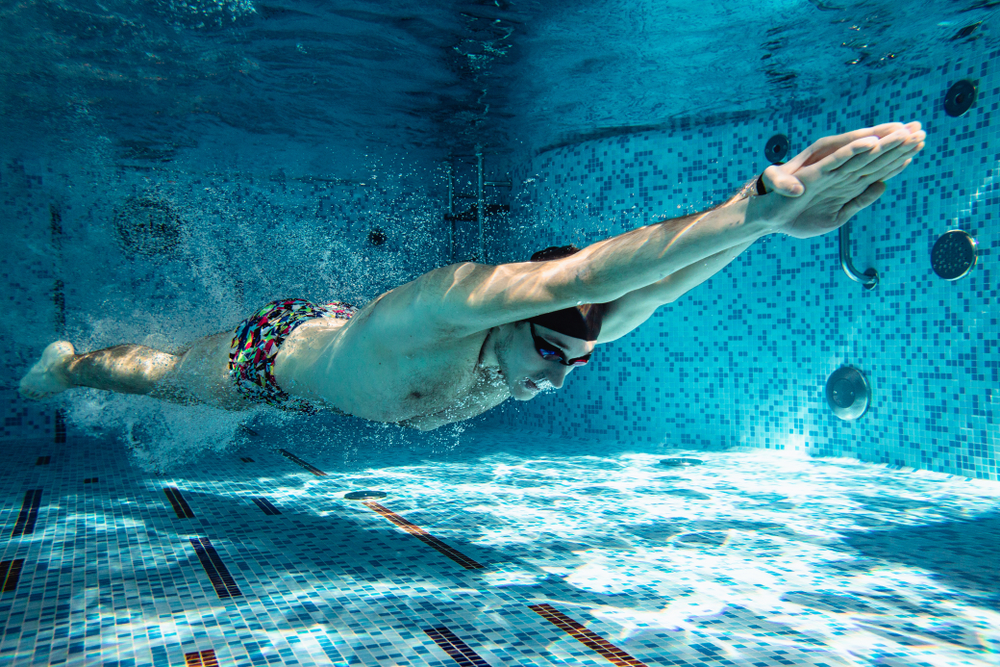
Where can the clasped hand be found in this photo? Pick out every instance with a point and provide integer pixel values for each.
(824, 186)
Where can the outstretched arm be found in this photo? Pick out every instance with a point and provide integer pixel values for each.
(816, 192)
(633, 309)
(628, 312)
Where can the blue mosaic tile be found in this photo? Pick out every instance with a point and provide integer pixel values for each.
(751, 557)
(743, 359)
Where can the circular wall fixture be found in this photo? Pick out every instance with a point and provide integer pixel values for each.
(377, 237)
(776, 148)
(954, 254)
(848, 393)
(364, 495)
(960, 98)
(148, 227)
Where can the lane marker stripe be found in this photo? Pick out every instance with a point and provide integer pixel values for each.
(10, 572)
(425, 537)
(29, 513)
(201, 659)
(460, 652)
(60, 426)
(180, 505)
(311, 468)
(222, 581)
(266, 505)
(591, 640)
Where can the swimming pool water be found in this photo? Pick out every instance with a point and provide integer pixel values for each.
(271, 139)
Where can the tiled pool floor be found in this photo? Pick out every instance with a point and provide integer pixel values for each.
(493, 555)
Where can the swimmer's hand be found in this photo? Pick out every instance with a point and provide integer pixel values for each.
(825, 185)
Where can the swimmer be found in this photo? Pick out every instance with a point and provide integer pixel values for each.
(461, 339)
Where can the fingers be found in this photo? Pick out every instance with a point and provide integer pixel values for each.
(820, 149)
(862, 201)
(871, 159)
(823, 148)
(880, 168)
(857, 160)
(885, 129)
(845, 154)
(881, 161)
(897, 170)
(777, 180)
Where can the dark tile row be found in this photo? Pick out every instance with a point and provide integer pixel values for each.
(29, 513)
(425, 537)
(226, 587)
(223, 582)
(311, 468)
(10, 572)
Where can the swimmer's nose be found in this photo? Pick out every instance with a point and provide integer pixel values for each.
(557, 376)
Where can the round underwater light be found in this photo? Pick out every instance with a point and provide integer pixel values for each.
(954, 254)
(148, 227)
(364, 495)
(960, 98)
(848, 393)
(776, 148)
(681, 463)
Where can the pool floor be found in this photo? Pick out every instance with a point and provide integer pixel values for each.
(490, 554)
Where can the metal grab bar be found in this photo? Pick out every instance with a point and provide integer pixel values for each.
(869, 279)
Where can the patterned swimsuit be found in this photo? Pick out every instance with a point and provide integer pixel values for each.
(255, 346)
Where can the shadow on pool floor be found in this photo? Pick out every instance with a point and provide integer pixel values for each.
(964, 554)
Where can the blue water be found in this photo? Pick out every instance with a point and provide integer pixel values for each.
(272, 138)
(156, 77)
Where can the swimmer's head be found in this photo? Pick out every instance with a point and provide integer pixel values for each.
(583, 321)
(536, 355)
(534, 358)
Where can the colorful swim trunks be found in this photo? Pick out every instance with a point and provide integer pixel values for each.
(256, 343)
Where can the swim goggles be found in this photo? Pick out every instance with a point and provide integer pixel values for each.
(545, 351)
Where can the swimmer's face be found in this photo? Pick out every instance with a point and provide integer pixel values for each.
(536, 359)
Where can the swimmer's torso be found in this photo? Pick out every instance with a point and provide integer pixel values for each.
(348, 366)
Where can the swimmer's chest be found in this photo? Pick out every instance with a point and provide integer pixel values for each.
(423, 388)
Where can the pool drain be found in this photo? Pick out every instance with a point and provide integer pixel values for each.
(681, 463)
(364, 495)
(954, 255)
(848, 393)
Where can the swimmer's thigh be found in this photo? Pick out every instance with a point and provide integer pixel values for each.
(203, 373)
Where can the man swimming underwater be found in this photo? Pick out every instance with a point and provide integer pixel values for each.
(462, 339)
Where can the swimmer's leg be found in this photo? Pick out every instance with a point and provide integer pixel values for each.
(198, 375)
(126, 369)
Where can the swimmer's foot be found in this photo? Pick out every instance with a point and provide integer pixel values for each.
(46, 377)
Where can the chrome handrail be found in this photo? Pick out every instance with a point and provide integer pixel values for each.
(869, 279)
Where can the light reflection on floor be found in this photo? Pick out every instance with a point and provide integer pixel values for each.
(749, 559)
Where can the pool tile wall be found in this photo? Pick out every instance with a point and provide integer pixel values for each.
(743, 359)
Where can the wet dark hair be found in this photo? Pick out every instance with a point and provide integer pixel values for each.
(583, 321)
(555, 252)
